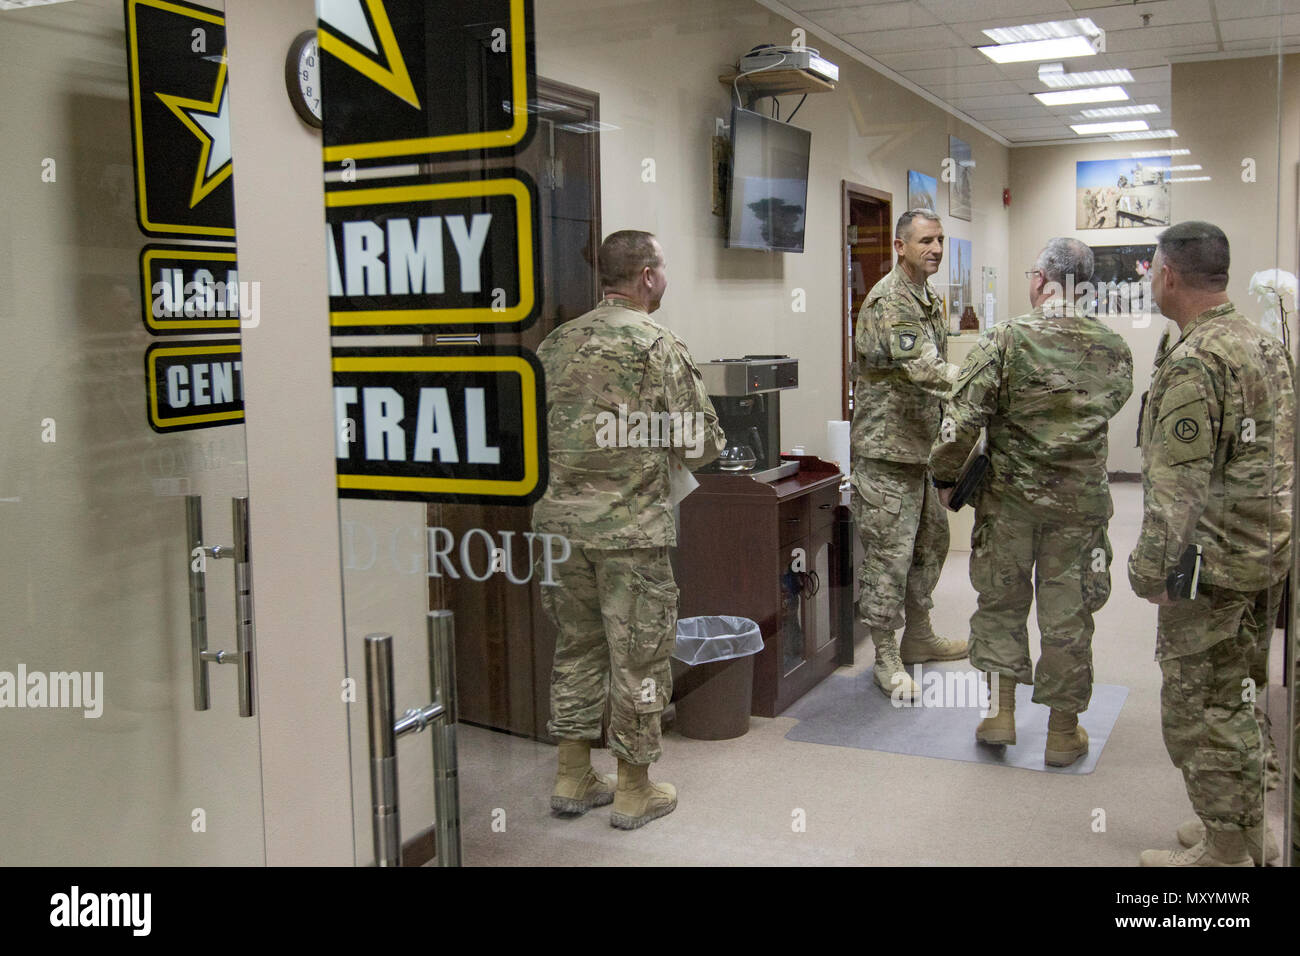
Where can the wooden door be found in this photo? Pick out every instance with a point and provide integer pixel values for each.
(868, 232)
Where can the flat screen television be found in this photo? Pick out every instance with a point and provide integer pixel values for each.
(768, 199)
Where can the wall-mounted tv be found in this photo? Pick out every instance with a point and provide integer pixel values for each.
(769, 183)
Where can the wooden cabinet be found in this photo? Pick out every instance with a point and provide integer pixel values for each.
(768, 551)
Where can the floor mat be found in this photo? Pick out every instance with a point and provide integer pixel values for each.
(850, 711)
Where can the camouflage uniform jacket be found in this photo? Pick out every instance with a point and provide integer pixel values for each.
(1217, 463)
(1045, 385)
(610, 490)
(900, 349)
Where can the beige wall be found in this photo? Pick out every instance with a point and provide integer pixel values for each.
(729, 302)
(1224, 111)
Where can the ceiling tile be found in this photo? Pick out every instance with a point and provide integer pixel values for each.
(1154, 37)
(904, 41)
(887, 16)
(1013, 12)
(1237, 9)
(1128, 16)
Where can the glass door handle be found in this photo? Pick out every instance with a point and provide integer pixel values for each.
(200, 655)
(383, 730)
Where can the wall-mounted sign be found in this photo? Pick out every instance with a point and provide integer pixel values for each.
(434, 256)
(189, 289)
(409, 77)
(180, 119)
(448, 425)
(195, 384)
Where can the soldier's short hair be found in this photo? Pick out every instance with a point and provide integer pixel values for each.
(1061, 258)
(623, 255)
(1197, 251)
(904, 227)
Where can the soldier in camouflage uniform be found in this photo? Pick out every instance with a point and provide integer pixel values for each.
(615, 606)
(900, 348)
(1217, 472)
(1045, 385)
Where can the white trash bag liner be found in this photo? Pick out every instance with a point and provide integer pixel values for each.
(701, 640)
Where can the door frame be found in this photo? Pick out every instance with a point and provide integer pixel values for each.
(848, 192)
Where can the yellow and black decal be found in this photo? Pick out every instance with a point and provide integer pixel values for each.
(440, 255)
(180, 119)
(461, 425)
(413, 78)
(190, 289)
(195, 384)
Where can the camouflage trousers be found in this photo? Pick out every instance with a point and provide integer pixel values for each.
(1065, 572)
(1209, 722)
(904, 531)
(615, 613)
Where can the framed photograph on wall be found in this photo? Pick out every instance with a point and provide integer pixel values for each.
(1120, 278)
(922, 191)
(959, 187)
(1121, 193)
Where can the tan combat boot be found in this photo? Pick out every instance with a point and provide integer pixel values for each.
(888, 670)
(1000, 727)
(920, 643)
(578, 787)
(1066, 740)
(1218, 848)
(638, 801)
(1259, 843)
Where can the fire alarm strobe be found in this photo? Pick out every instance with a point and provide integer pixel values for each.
(806, 59)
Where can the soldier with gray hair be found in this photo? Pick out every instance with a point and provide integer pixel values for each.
(1217, 482)
(1045, 385)
(615, 606)
(902, 376)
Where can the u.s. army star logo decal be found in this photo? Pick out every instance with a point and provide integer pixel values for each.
(1186, 430)
(210, 122)
(346, 33)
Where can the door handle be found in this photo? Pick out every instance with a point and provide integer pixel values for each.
(200, 655)
(439, 717)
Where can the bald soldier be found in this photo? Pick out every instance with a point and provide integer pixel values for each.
(615, 609)
(902, 377)
(1218, 475)
(1045, 385)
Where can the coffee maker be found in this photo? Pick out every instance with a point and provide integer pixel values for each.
(746, 392)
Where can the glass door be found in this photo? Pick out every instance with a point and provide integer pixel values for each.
(108, 760)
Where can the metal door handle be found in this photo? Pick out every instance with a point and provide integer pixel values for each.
(383, 731)
(200, 656)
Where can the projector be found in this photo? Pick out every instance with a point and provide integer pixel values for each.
(806, 59)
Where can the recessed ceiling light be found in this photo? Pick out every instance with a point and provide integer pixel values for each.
(1054, 49)
(1052, 30)
(1146, 154)
(1120, 111)
(1149, 134)
(1124, 126)
(1099, 94)
(1059, 79)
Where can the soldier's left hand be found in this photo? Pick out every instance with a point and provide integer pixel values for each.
(945, 495)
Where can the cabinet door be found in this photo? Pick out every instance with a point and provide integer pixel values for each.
(818, 611)
(793, 632)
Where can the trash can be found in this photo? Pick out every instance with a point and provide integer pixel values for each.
(713, 671)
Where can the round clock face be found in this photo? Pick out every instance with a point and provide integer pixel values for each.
(302, 76)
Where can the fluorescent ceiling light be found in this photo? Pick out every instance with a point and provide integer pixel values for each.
(1147, 154)
(1106, 111)
(1190, 179)
(21, 4)
(1185, 169)
(1055, 29)
(1124, 126)
(1099, 94)
(1059, 79)
(1149, 134)
(1058, 48)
